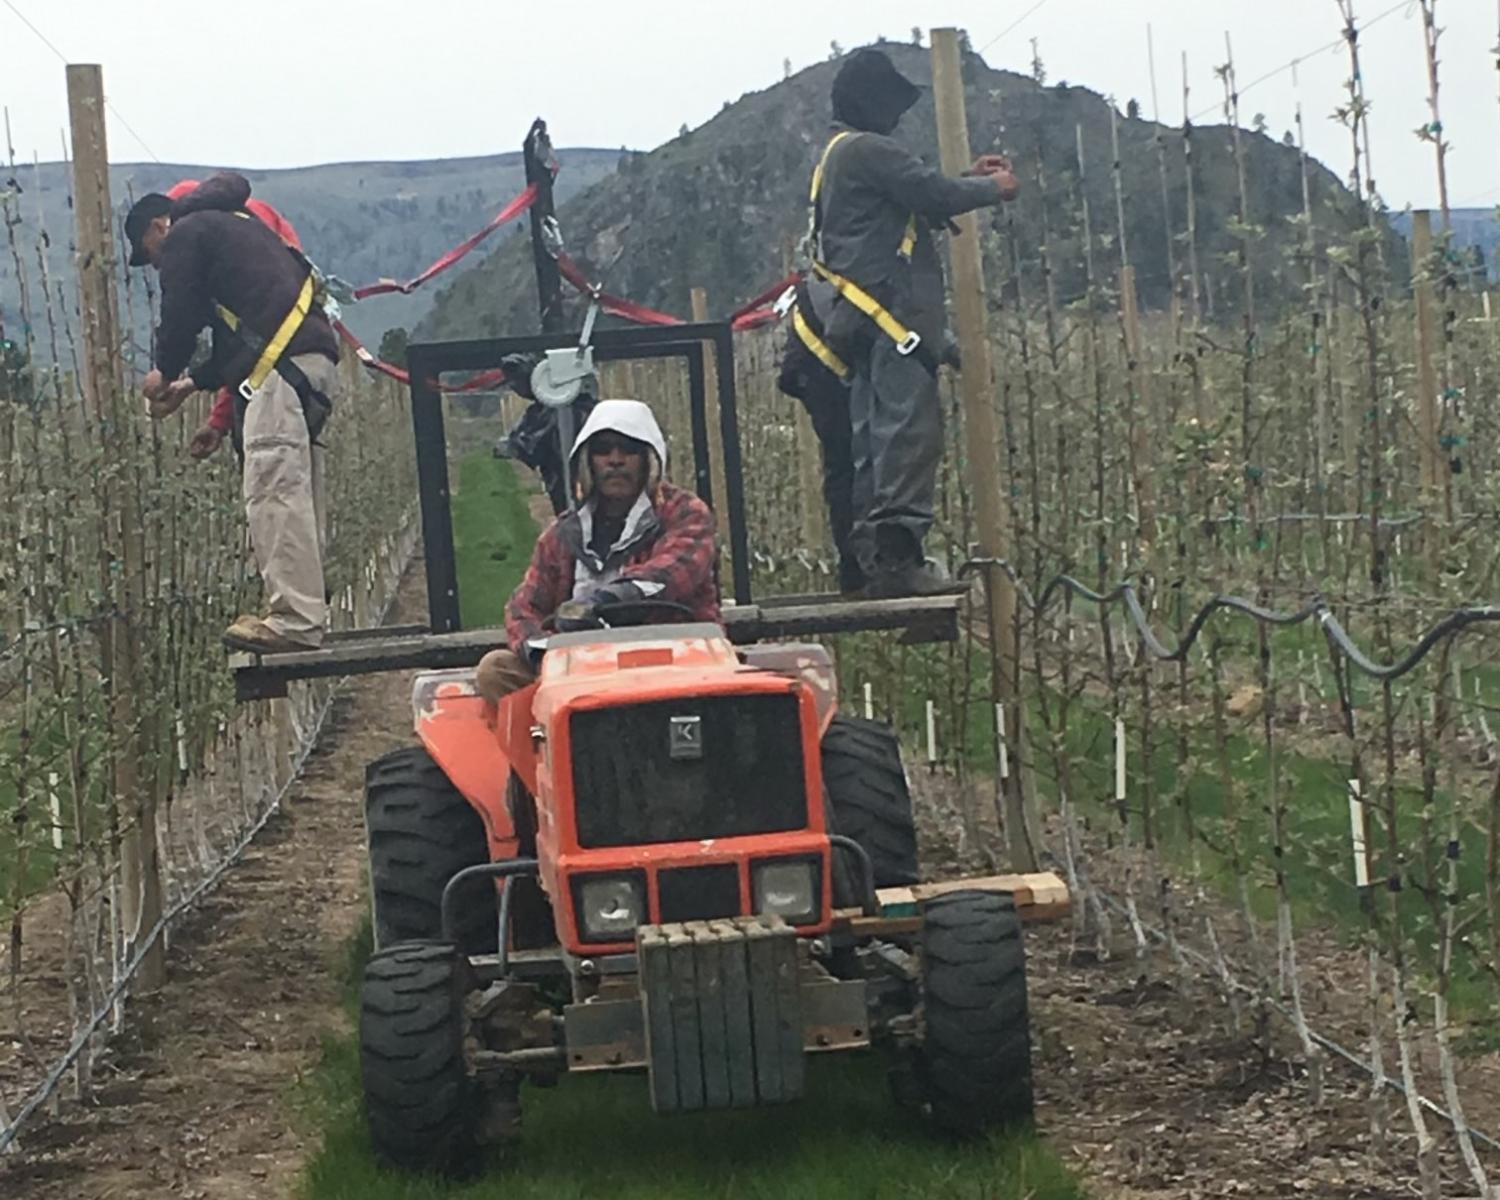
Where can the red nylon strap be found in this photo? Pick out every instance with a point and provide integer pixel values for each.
(485, 379)
(761, 303)
(751, 315)
(754, 319)
(507, 214)
(614, 305)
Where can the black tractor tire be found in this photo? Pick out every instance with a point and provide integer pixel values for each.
(973, 1072)
(421, 1105)
(421, 833)
(871, 801)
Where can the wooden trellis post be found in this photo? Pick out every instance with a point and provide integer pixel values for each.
(97, 267)
(977, 387)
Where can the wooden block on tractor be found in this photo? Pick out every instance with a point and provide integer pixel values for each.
(1040, 896)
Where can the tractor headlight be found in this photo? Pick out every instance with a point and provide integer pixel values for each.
(788, 888)
(609, 907)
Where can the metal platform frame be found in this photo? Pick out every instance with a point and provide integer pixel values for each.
(428, 360)
(442, 641)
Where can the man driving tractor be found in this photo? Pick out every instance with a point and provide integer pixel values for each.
(633, 537)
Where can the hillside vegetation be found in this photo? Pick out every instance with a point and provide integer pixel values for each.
(722, 206)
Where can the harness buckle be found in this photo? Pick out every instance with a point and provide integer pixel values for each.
(909, 343)
(247, 393)
(785, 301)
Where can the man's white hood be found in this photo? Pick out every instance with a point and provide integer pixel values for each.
(628, 417)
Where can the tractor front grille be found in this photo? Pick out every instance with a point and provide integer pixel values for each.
(698, 893)
(688, 769)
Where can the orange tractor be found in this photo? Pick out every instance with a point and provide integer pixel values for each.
(670, 855)
(689, 841)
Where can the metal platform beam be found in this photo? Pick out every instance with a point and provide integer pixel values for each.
(367, 652)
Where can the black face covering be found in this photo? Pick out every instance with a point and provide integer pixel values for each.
(870, 94)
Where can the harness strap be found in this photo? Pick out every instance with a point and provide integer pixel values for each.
(908, 237)
(820, 349)
(817, 176)
(279, 340)
(271, 351)
(907, 340)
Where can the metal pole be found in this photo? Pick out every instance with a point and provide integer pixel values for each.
(536, 152)
(711, 392)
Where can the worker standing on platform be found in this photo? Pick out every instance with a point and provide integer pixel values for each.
(874, 207)
(222, 267)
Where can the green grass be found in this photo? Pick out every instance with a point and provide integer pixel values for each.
(493, 534)
(596, 1136)
(592, 1137)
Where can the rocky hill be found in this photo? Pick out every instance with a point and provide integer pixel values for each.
(358, 220)
(720, 206)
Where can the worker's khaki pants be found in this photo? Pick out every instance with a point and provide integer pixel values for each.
(284, 502)
(500, 673)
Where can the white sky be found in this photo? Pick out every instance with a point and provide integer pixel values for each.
(292, 82)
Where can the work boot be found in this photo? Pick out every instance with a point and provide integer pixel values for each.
(852, 578)
(253, 634)
(899, 569)
(895, 579)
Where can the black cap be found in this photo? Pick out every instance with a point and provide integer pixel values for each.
(870, 94)
(138, 220)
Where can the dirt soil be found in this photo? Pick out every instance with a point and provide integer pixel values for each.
(1147, 1084)
(1143, 1081)
(194, 1098)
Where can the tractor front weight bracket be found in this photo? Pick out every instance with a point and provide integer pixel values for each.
(507, 868)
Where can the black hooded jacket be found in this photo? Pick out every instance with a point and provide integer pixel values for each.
(870, 94)
(215, 251)
(871, 188)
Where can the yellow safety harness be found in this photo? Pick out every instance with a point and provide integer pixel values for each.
(907, 340)
(271, 351)
(820, 349)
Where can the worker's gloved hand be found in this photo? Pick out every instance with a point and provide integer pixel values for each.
(998, 168)
(576, 616)
(205, 442)
(990, 164)
(163, 398)
(622, 591)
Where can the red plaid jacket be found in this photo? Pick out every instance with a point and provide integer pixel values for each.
(679, 553)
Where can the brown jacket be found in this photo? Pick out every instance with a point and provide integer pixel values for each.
(216, 252)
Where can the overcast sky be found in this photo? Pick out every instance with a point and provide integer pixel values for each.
(283, 83)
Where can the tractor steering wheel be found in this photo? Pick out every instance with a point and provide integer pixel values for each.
(645, 611)
(617, 614)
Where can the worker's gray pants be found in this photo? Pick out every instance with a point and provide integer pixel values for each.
(284, 502)
(898, 442)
